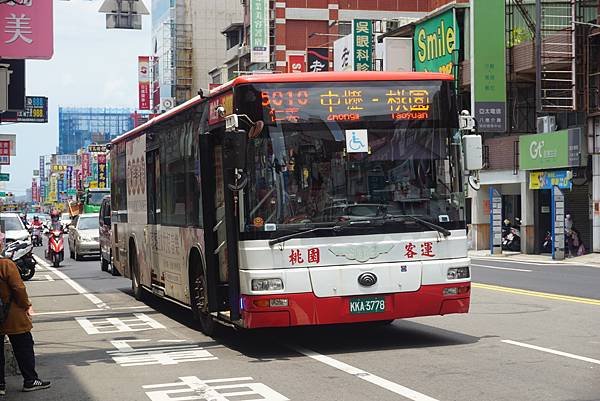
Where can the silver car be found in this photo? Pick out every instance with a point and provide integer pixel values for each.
(83, 236)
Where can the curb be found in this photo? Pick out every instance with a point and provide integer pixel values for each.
(508, 258)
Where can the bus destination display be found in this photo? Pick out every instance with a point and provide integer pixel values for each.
(346, 103)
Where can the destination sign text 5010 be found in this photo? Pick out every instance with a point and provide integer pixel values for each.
(348, 103)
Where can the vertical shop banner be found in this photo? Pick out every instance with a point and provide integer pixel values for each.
(488, 64)
(296, 63)
(69, 177)
(42, 193)
(343, 54)
(60, 186)
(318, 59)
(558, 223)
(436, 42)
(4, 153)
(35, 196)
(27, 30)
(363, 51)
(259, 31)
(144, 82)
(42, 169)
(85, 165)
(102, 170)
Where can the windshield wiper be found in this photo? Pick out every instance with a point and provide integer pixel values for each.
(422, 222)
(335, 229)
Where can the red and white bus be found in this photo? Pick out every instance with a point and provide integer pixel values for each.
(298, 199)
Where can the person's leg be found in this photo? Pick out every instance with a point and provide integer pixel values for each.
(2, 382)
(23, 350)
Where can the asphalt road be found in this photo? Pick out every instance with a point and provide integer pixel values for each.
(95, 342)
(560, 278)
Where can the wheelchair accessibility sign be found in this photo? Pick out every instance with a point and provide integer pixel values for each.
(357, 141)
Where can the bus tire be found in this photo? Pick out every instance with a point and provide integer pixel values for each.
(198, 297)
(136, 287)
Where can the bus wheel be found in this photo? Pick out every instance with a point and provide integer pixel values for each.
(138, 291)
(199, 300)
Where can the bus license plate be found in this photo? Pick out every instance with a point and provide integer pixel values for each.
(367, 305)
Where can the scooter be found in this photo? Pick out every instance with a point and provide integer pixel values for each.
(56, 247)
(36, 236)
(512, 240)
(20, 252)
(547, 243)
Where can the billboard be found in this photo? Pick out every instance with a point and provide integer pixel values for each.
(318, 59)
(144, 82)
(551, 150)
(28, 30)
(259, 31)
(35, 111)
(435, 42)
(488, 65)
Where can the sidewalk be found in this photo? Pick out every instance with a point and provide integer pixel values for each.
(591, 259)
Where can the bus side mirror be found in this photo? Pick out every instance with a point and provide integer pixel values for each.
(234, 149)
(473, 152)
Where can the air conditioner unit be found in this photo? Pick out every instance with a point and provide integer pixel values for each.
(167, 103)
(546, 124)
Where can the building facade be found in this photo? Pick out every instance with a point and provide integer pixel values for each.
(82, 126)
(550, 137)
(187, 42)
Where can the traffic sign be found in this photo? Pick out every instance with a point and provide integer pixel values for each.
(4, 177)
(71, 192)
(2, 194)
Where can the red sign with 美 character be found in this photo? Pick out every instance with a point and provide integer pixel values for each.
(27, 29)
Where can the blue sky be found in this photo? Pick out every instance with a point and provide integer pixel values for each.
(91, 66)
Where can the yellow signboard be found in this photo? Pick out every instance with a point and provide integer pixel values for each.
(93, 184)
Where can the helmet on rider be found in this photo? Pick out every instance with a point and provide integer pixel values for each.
(35, 218)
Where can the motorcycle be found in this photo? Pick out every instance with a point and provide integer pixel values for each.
(547, 243)
(511, 240)
(36, 236)
(20, 252)
(56, 247)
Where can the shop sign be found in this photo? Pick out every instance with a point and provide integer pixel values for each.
(343, 50)
(259, 31)
(296, 63)
(435, 43)
(27, 29)
(549, 179)
(318, 59)
(488, 64)
(363, 51)
(551, 150)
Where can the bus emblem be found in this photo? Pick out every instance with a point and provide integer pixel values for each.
(361, 253)
(367, 279)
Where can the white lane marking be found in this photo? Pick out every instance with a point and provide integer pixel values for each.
(68, 312)
(97, 325)
(361, 374)
(94, 299)
(551, 351)
(46, 277)
(501, 268)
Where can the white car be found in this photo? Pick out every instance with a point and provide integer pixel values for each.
(13, 228)
(65, 220)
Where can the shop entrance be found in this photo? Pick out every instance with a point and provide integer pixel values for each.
(542, 217)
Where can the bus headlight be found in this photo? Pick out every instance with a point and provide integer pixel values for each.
(267, 284)
(455, 273)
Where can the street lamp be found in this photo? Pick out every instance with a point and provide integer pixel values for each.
(313, 34)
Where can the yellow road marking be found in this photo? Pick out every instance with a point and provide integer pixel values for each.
(546, 295)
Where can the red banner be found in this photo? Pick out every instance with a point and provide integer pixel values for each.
(296, 63)
(35, 194)
(144, 82)
(27, 30)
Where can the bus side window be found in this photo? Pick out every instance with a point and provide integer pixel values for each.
(153, 186)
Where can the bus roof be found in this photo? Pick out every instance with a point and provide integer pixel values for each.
(330, 76)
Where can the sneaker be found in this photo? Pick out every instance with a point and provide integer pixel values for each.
(37, 384)
(2, 389)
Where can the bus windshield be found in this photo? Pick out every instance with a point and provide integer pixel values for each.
(337, 152)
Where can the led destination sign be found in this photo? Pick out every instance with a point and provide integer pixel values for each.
(381, 101)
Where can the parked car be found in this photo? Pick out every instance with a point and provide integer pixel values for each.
(13, 227)
(105, 231)
(83, 236)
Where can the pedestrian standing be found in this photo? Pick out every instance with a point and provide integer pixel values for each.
(17, 325)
